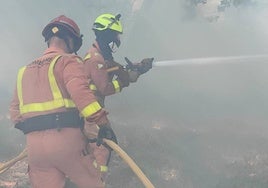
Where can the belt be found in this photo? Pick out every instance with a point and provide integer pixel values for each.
(51, 121)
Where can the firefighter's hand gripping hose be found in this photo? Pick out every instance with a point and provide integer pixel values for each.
(146, 182)
(105, 131)
(144, 66)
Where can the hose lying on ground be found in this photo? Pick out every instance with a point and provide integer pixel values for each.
(146, 182)
(5, 166)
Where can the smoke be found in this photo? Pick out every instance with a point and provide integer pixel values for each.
(211, 116)
(205, 119)
(164, 30)
(167, 31)
(22, 24)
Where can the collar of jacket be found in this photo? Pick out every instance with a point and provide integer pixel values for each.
(51, 50)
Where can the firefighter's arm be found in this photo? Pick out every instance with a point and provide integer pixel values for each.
(105, 130)
(122, 74)
(14, 110)
(131, 72)
(77, 86)
(101, 78)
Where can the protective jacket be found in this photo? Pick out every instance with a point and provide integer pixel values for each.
(53, 83)
(50, 96)
(101, 81)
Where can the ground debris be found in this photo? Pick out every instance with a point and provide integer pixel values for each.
(16, 176)
(8, 184)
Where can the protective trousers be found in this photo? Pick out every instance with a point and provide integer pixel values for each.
(100, 154)
(55, 154)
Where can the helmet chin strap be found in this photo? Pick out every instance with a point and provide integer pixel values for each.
(105, 49)
(108, 40)
(113, 46)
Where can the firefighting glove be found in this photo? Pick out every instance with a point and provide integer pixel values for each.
(121, 73)
(133, 76)
(123, 77)
(145, 65)
(107, 132)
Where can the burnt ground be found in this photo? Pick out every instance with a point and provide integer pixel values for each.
(173, 154)
(177, 154)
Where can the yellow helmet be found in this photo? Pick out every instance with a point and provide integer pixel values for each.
(108, 21)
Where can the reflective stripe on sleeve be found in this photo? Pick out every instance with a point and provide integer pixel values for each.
(91, 109)
(116, 86)
(102, 168)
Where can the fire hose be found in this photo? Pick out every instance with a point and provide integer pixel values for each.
(5, 166)
(146, 182)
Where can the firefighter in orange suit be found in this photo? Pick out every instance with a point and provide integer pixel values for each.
(50, 103)
(98, 60)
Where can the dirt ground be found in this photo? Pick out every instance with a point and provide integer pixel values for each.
(181, 156)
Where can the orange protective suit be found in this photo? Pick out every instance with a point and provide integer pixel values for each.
(54, 92)
(100, 80)
(103, 84)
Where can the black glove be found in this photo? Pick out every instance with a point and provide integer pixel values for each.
(107, 132)
(133, 76)
(121, 73)
(145, 65)
(123, 76)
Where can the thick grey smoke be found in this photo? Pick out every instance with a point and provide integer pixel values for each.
(188, 126)
(164, 30)
(169, 29)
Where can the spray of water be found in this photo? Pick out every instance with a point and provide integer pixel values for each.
(213, 60)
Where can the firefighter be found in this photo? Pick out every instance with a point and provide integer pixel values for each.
(98, 61)
(50, 102)
(99, 58)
